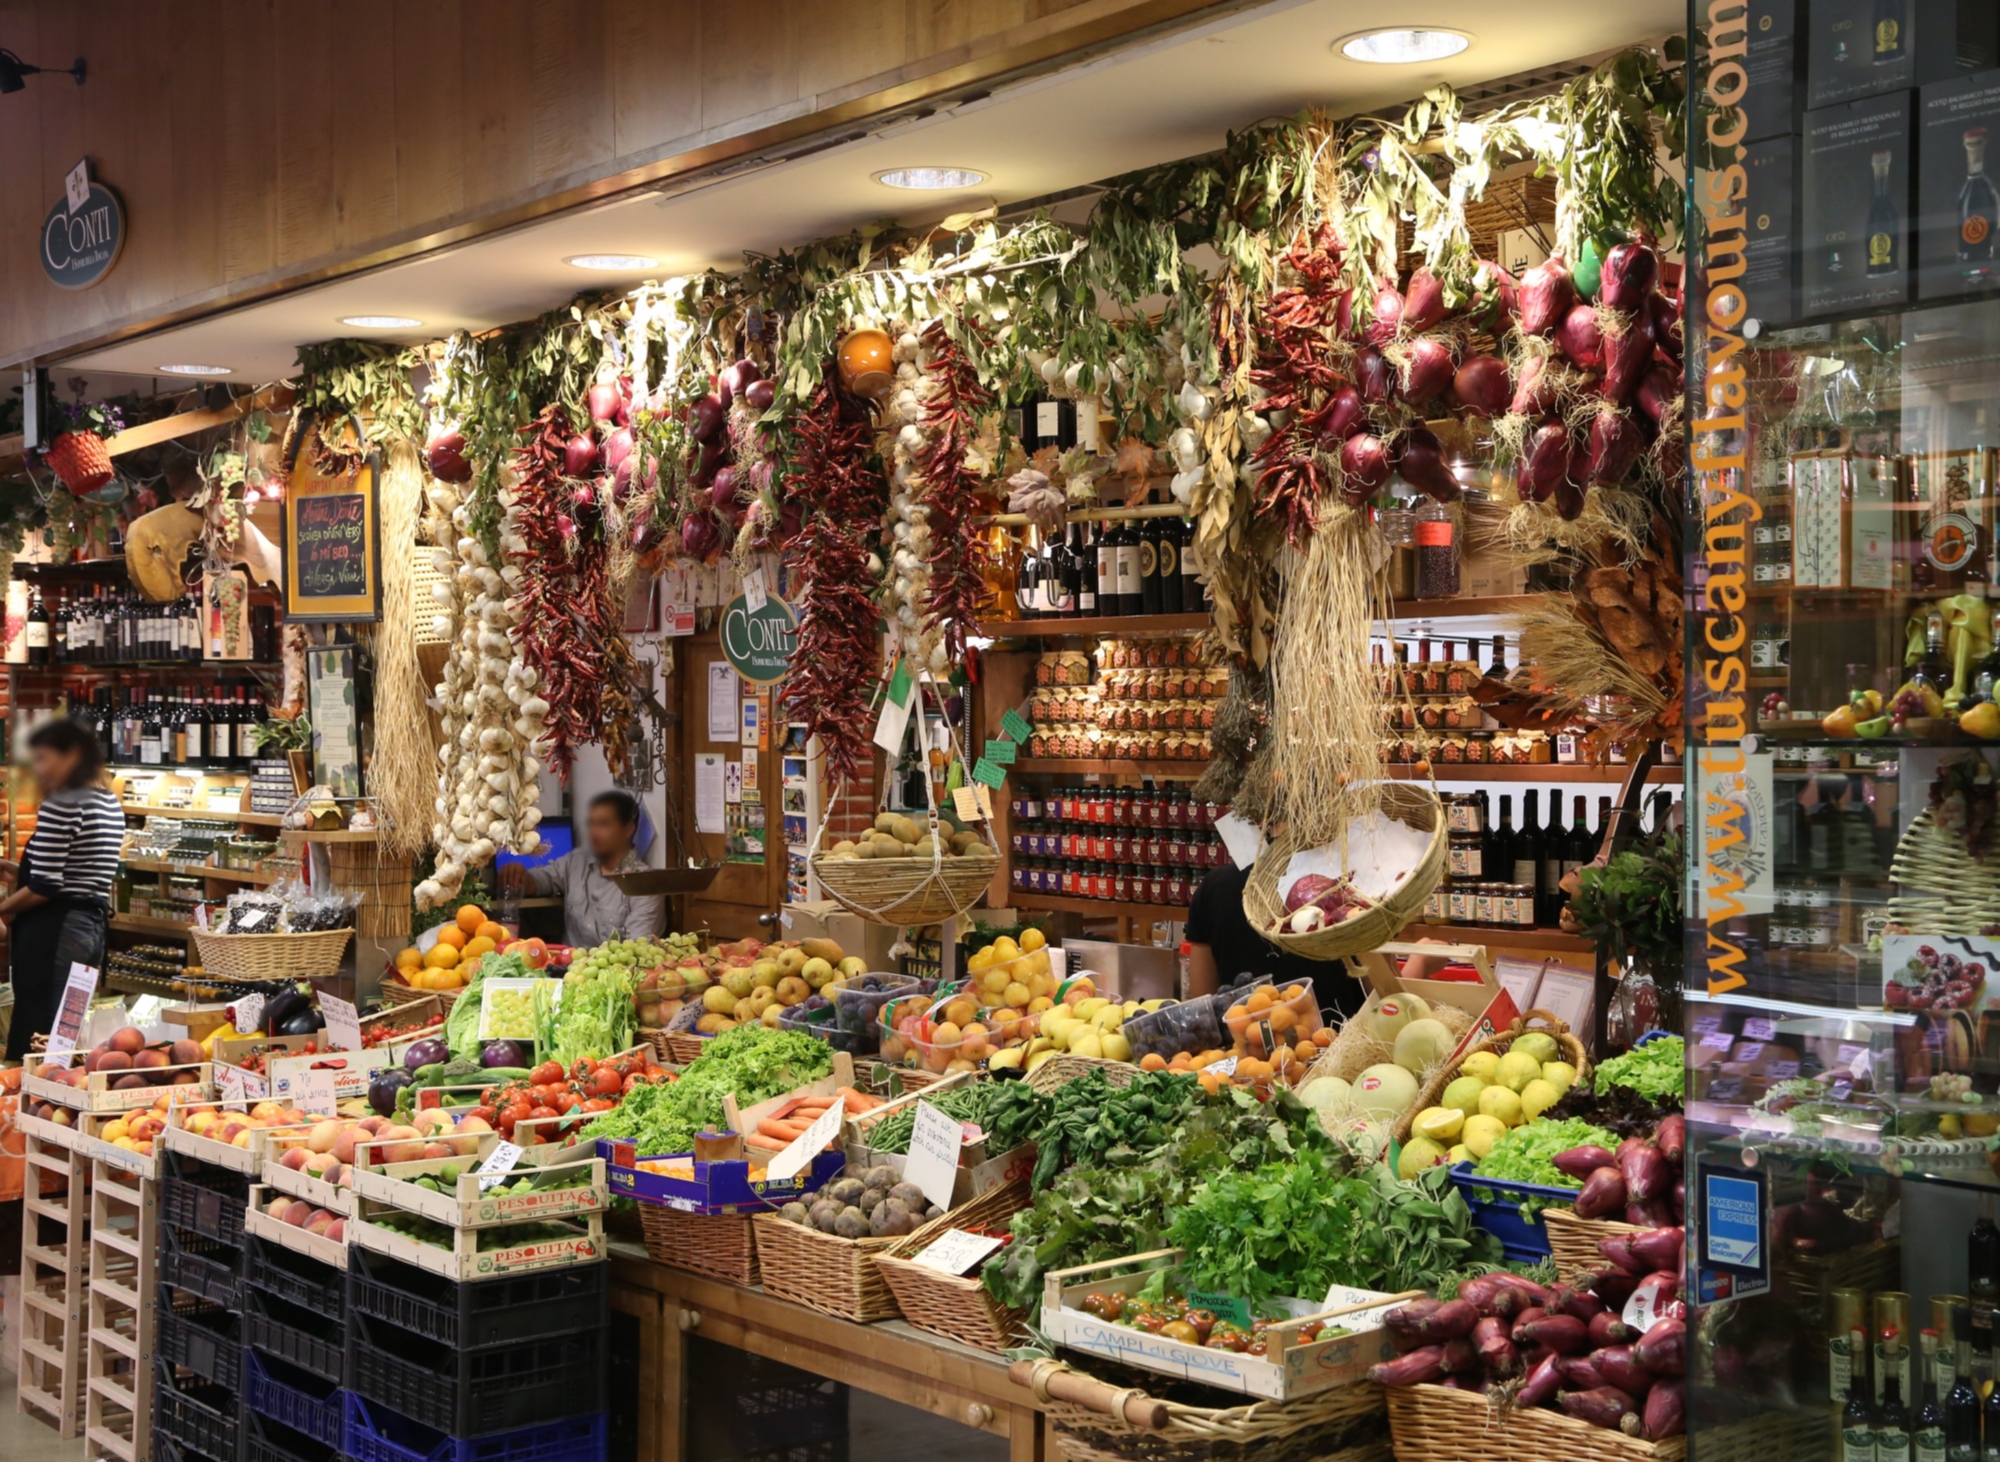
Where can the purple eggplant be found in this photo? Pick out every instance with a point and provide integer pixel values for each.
(1581, 1162)
(1603, 1193)
(430, 1051)
(1663, 1349)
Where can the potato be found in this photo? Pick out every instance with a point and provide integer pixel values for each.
(852, 1224)
(846, 1192)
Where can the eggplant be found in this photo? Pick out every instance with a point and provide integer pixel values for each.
(283, 1007)
(430, 1051)
(504, 1053)
(383, 1086)
(302, 1022)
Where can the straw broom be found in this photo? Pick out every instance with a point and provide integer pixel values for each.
(402, 776)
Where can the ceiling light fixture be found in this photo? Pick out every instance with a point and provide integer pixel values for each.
(1402, 47)
(381, 322)
(195, 370)
(937, 180)
(612, 263)
(14, 71)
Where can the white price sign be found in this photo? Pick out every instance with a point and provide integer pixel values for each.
(316, 1092)
(342, 1021)
(229, 1083)
(247, 1014)
(498, 1164)
(933, 1161)
(957, 1252)
(70, 1013)
(801, 1150)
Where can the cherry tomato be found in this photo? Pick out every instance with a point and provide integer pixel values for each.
(547, 1072)
(505, 1125)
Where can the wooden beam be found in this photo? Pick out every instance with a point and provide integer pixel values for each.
(187, 423)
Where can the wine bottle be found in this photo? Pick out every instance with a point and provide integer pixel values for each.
(1857, 1417)
(1885, 223)
(1500, 843)
(36, 634)
(1961, 1403)
(1028, 582)
(1892, 1417)
(1149, 566)
(1549, 860)
(1083, 556)
(196, 729)
(1107, 570)
(1527, 845)
(1194, 593)
(1131, 600)
(1578, 847)
(1978, 212)
(1928, 1439)
(1170, 566)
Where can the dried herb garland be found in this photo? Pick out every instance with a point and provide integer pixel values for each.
(841, 497)
(1298, 370)
(950, 421)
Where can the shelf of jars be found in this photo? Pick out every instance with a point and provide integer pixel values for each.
(1099, 625)
(201, 870)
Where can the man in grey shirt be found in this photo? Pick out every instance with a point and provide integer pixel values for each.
(594, 909)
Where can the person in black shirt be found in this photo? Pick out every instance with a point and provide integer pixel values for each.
(1224, 948)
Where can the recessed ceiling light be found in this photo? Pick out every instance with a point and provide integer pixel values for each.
(612, 263)
(195, 370)
(931, 179)
(1402, 47)
(380, 322)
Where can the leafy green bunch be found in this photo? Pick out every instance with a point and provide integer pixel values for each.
(1632, 905)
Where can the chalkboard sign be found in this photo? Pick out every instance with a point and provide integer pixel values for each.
(333, 556)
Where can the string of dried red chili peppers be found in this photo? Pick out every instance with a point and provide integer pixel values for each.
(1297, 370)
(841, 496)
(950, 490)
(565, 625)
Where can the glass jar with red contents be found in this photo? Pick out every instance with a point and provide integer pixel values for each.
(1156, 885)
(1121, 884)
(1121, 846)
(1218, 853)
(1177, 886)
(1100, 883)
(1122, 814)
(1211, 813)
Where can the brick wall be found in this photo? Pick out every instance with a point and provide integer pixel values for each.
(854, 814)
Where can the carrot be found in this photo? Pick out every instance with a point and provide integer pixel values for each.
(770, 1127)
(764, 1144)
(859, 1101)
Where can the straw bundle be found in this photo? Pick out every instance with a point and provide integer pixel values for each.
(402, 776)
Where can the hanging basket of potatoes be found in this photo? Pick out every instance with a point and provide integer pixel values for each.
(906, 871)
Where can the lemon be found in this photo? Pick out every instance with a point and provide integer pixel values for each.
(1480, 1133)
(1539, 1044)
(1498, 1101)
(1517, 1069)
(1458, 1154)
(1418, 1153)
(1440, 1124)
(1463, 1094)
(1537, 1097)
(1483, 1064)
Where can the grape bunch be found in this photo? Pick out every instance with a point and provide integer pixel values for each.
(632, 955)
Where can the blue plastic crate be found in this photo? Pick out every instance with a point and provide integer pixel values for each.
(265, 1440)
(296, 1397)
(376, 1434)
(1496, 1207)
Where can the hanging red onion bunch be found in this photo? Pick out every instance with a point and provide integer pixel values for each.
(949, 422)
(839, 496)
(721, 494)
(565, 624)
(1301, 378)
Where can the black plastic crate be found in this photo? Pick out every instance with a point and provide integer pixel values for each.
(265, 1440)
(189, 1169)
(196, 1414)
(292, 1333)
(203, 1206)
(296, 1277)
(753, 1407)
(466, 1316)
(376, 1434)
(306, 1403)
(469, 1393)
(206, 1339)
(166, 1449)
(200, 1265)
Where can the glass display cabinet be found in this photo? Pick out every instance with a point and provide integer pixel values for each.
(1843, 956)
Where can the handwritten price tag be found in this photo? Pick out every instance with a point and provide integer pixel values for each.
(229, 1083)
(934, 1147)
(498, 1164)
(1759, 1029)
(965, 802)
(343, 1023)
(316, 1093)
(801, 1150)
(988, 773)
(1000, 752)
(247, 1014)
(957, 1252)
(1014, 726)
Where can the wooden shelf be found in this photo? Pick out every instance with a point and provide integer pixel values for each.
(195, 870)
(142, 924)
(337, 835)
(1668, 776)
(254, 819)
(1100, 908)
(1551, 939)
(1179, 770)
(1469, 608)
(1124, 624)
(114, 667)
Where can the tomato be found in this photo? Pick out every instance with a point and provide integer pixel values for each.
(485, 1111)
(505, 1125)
(632, 1081)
(599, 1104)
(547, 1072)
(581, 1071)
(566, 1102)
(544, 1090)
(607, 1082)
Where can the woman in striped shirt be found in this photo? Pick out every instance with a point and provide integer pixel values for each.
(56, 914)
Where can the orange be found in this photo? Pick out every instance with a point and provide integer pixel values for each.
(409, 959)
(477, 945)
(442, 956)
(453, 936)
(490, 930)
(470, 917)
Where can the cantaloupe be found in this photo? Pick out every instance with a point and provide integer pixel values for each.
(1385, 1091)
(1422, 1044)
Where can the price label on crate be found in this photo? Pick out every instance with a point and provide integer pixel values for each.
(498, 1164)
(801, 1150)
(316, 1092)
(75, 1004)
(343, 1023)
(1233, 1308)
(229, 1083)
(957, 1252)
(932, 1165)
(247, 1013)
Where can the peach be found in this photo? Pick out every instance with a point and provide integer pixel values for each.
(343, 1142)
(62, 1117)
(52, 1072)
(242, 1139)
(437, 1149)
(320, 1222)
(145, 1126)
(323, 1136)
(295, 1159)
(277, 1206)
(320, 1164)
(127, 1038)
(110, 1061)
(229, 1126)
(337, 1231)
(340, 1175)
(200, 1122)
(149, 1058)
(372, 1125)
(184, 1053)
(297, 1212)
(184, 1078)
(131, 1081)
(401, 1148)
(268, 1112)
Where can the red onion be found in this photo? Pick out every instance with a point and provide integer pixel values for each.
(1340, 420)
(1657, 390)
(579, 455)
(1364, 461)
(1371, 373)
(1420, 459)
(1666, 325)
(1482, 385)
(1388, 314)
(1535, 392)
(714, 453)
(617, 447)
(601, 400)
(1626, 358)
(1496, 298)
(1580, 338)
(759, 395)
(722, 492)
(1627, 276)
(762, 475)
(445, 456)
(1569, 507)
(1426, 371)
(734, 379)
(706, 416)
(1546, 296)
(1545, 461)
(1423, 301)
(698, 536)
(1615, 444)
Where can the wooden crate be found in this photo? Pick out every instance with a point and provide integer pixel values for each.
(118, 1343)
(55, 1270)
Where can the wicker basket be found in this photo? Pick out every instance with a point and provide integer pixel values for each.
(959, 1308)
(273, 956)
(396, 990)
(680, 1047)
(1542, 1020)
(718, 1245)
(1941, 887)
(1065, 1068)
(1415, 803)
(1439, 1424)
(1341, 1424)
(1573, 1241)
(902, 891)
(661, 1041)
(825, 1272)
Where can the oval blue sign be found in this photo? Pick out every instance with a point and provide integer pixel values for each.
(79, 248)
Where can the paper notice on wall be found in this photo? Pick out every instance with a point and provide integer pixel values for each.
(722, 699)
(709, 803)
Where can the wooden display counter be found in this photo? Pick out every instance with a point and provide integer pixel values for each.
(890, 1359)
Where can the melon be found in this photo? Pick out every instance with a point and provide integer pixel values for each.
(1422, 1044)
(1324, 1092)
(1395, 1012)
(1385, 1091)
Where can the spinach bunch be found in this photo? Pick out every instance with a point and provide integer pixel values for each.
(1090, 1121)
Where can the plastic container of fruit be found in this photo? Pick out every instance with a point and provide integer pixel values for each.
(822, 1023)
(917, 1031)
(1012, 982)
(1186, 1025)
(858, 1001)
(1263, 1018)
